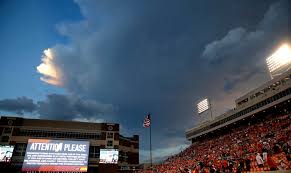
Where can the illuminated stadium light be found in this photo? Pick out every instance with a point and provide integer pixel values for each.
(203, 106)
(279, 59)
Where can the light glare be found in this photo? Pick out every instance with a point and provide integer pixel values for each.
(280, 58)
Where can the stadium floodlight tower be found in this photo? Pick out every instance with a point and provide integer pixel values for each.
(280, 61)
(204, 106)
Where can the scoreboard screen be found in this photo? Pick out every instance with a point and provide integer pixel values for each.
(56, 155)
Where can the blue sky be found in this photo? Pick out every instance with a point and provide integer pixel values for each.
(27, 27)
(116, 61)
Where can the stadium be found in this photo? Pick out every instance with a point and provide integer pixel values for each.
(254, 136)
(94, 86)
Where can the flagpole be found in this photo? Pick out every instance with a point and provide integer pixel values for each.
(151, 146)
(147, 124)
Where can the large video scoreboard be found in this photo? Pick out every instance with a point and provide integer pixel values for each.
(56, 155)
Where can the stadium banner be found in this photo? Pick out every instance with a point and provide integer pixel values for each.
(109, 156)
(56, 155)
(6, 152)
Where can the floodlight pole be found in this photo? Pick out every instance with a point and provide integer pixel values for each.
(210, 108)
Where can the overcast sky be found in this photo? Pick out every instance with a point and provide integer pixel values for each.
(115, 61)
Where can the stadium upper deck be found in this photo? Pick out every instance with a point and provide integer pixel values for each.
(272, 93)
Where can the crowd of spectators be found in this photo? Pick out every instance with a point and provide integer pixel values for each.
(263, 145)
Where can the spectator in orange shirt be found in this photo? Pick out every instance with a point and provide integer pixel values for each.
(271, 163)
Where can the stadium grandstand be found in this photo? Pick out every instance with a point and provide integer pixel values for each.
(255, 136)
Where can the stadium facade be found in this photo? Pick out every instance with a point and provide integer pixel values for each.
(273, 96)
(17, 131)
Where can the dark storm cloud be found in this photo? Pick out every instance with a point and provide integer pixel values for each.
(239, 57)
(59, 107)
(19, 105)
(162, 56)
(69, 107)
(239, 41)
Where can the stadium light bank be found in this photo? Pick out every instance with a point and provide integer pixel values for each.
(280, 61)
(203, 106)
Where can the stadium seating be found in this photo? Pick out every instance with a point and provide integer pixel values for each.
(231, 151)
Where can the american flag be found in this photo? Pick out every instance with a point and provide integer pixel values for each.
(147, 121)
